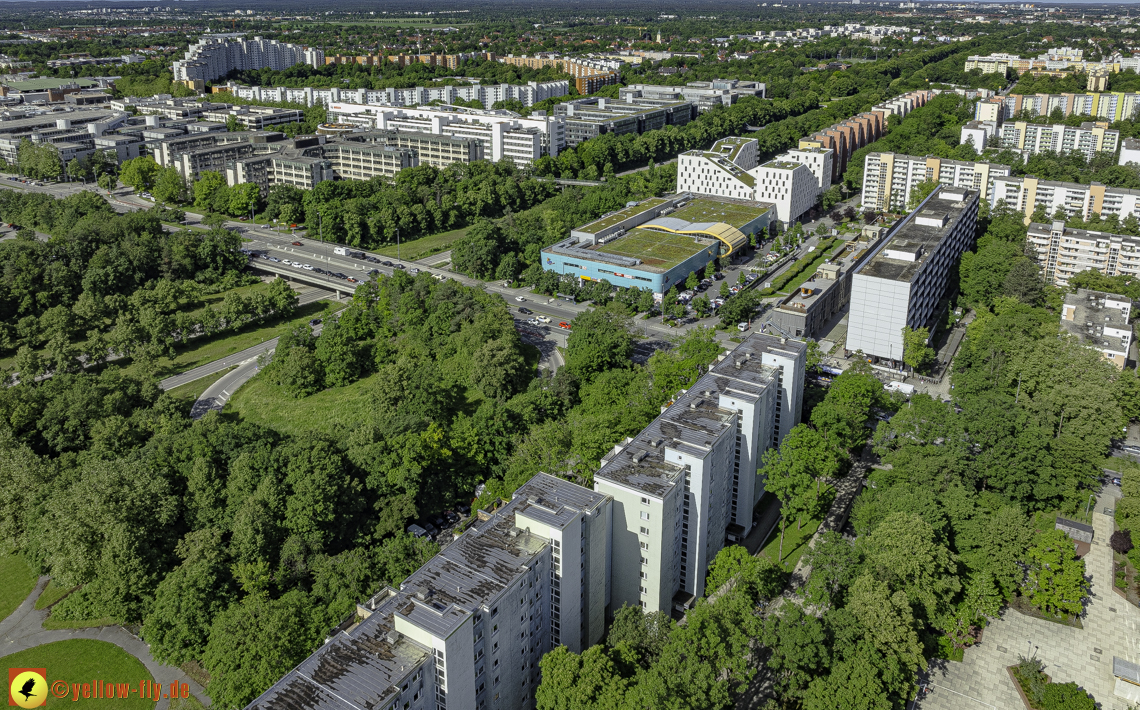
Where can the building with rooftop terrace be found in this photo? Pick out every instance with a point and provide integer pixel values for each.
(1101, 321)
(904, 279)
(689, 482)
(810, 308)
(466, 631)
(658, 242)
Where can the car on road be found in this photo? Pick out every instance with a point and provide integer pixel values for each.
(371, 259)
(439, 277)
(307, 267)
(352, 280)
(315, 321)
(533, 321)
(543, 319)
(413, 271)
(385, 263)
(524, 309)
(520, 299)
(398, 266)
(742, 327)
(297, 244)
(373, 272)
(273, 258)
(564, 324)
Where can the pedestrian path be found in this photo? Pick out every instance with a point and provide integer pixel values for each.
(23, 629)
(1083, 656)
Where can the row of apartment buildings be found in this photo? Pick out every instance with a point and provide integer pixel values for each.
(1054, 60)
(1111, 106)
(1088, 139)
(851, 134)
(487, 94)
(466, 631)
(214, 56)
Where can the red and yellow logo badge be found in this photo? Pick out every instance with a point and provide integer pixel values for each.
(27, 687)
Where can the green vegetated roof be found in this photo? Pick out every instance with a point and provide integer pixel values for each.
(611, 220)
(47, 83)
(660, 250)
(702, 210)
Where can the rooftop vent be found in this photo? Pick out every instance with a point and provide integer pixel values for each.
(640, 456)
(655, 443)
(423, 594)
(393, 636)
(696, 403)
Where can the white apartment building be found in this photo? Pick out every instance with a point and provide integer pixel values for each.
(792, 181)
(214, 56)
(1029, 138)
(1100, 321)
(888, 178)
(1026, 194)
(466, 631)
(529, 94)
(1129, 151)
(503, 134)
(1063, 252)
(688, 483)
(906, 277)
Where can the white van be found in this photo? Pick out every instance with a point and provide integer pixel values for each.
(340, 251)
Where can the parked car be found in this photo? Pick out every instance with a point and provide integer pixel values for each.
(525, 310)
(742, 327)
(1116, 481)
(315, 321)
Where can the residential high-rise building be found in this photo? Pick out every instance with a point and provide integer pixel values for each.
(1063, 252)
(214, 56)
(1088, 139)
(705, 94)
(688, 483)
(906, 277)
(1028, 194)
(888, 178)
(487, 94)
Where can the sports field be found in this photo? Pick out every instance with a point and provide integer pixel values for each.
(659, 250)
(714, 211)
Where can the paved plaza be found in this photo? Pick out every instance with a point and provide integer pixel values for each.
(1083, 656)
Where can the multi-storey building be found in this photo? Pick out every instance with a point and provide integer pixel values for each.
(430, 149)
(588, 118)
(589, 75)
(1027, 194)
(904, 280)
(214, 56)
(689, 481)
(705, 94)
(1129, 151)
(792, 182)
(888, 178)
(168, 152)
(1100, 321)
(1111, 106)
(1063, 252)
(255, 118)
(503, 134)
(1029, 138)
(466, 631)
(977, 133)
(487, 94)
(72, 132)
(990, 109)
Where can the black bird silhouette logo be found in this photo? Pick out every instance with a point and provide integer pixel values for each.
(26, 691)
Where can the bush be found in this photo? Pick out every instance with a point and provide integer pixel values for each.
(1066, 696)
(1121, 541)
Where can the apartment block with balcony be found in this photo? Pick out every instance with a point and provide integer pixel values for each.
(906, 277)
(1100, 321)
(1030, 138)
(1027, 194)
(214, 56)
(888, 178)
(689, 482)
(1063, 252)
(588, 118)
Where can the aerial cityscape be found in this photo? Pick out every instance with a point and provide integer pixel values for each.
(334, 336)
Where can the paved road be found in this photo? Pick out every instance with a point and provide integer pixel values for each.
(436, 259)
(1084, 656)
(23, 629)
(217, 394)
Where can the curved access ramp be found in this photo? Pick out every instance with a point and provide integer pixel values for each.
(730, 236)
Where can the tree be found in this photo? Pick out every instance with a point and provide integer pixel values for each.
(139, 173)
(904, 552)
(207, 186)
(169, 186)
(693, 281)
(188, 598)
(575, 682)
(739, 308)
(834, 564)
(1024, 282)
(799, 647)
(599, 340)
(917, 353)
(853, 684)
(1121, 541)
(1055, 582)
(646, 634)
(498, 368)
(76, 170)
(243, 199)
(255, 642)
(886, 621)
(789, 481)
(710, 269)
(920, 192)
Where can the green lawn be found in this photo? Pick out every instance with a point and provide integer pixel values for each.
(52, 594)
(810, 270)
(19, 581)
(330, 411)
(701, 210)
(657, 249)
(424, 246)
(795, 542)
(193, 390)
(80, 661)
